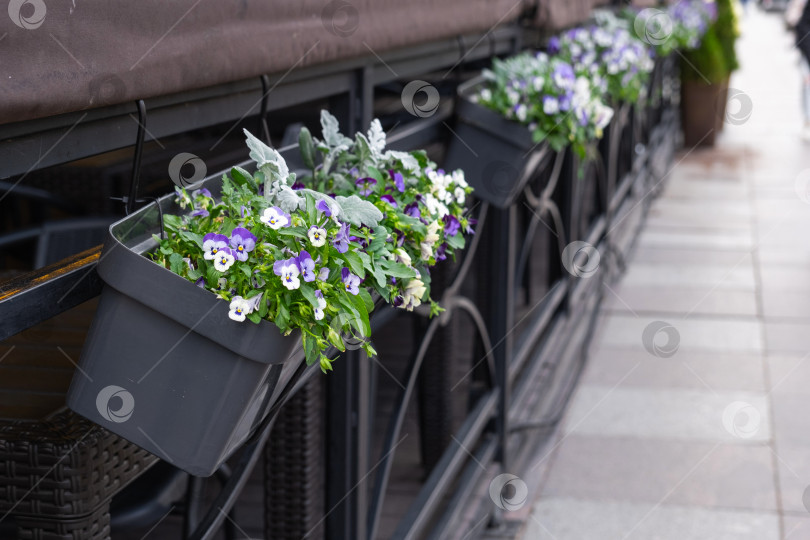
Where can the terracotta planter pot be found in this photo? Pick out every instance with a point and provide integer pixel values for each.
(699, 114)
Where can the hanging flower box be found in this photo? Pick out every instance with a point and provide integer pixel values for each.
(513, 119)
(164, 366)
(200, 328)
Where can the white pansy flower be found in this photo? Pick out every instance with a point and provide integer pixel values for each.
(239, 308)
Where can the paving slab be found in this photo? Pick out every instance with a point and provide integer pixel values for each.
(672, 414)
(573, 519)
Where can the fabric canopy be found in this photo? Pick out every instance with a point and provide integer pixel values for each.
(60, 57)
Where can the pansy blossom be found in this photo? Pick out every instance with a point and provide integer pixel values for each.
(365, 185)
(275, 217)
(239, 309)
(242, 242)
(224, 259)
(317, 236)
(323, 207)
(451, 225)
(399, 181)
(341, 242)
(389, 199)
(350, 281)
(306, 266)
(212, 243)
(318, 310)
(289, 272)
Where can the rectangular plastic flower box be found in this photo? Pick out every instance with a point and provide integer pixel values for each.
(163, 366)
(498, 155)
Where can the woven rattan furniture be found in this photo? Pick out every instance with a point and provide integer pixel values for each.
(57, 476)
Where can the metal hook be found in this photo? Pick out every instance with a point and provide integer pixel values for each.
(136, 161)
(263, 127)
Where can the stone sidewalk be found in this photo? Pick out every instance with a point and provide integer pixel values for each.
(692, 419)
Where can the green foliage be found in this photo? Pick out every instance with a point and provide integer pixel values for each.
(727, 33)
(707, 62)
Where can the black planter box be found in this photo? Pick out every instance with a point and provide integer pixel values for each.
(163, 366)
(497, 155)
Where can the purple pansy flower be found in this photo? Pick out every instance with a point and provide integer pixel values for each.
(441, 252)
(565, 102)
(306, 265)
(298, 185)
(350, 281)
(212, 243)
(451, 225)
(242, 243)
(202, 212)
(398, 301)
(413, 210)
(323, 206)
(470, 223)
(341, 241)
(563, 75)
(399, 181)
(288, 271)
(389, 199)
(365, 185)
(202, 191)
(554, 45)
(243, 211)
(200, 282)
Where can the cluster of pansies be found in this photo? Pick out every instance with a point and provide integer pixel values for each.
(690, 20)
(306, 259)
(560, 104)
(562, 95)
(423, 214)
(680, 25)
(612, 55)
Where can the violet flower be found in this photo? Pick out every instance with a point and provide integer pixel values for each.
(389, 199)
(341, 242)
(289, 272)
(441, 252)
(350, 281)
(366, 185)
(451, 225)
(323, 206)
(413, 210)
(306, 265)
(399, 181)
(242, 243)
(202, 212)
(212, 243)
(297, 185)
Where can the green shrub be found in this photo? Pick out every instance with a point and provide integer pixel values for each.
(707, 62)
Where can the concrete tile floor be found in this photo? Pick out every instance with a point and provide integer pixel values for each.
(703, 433)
